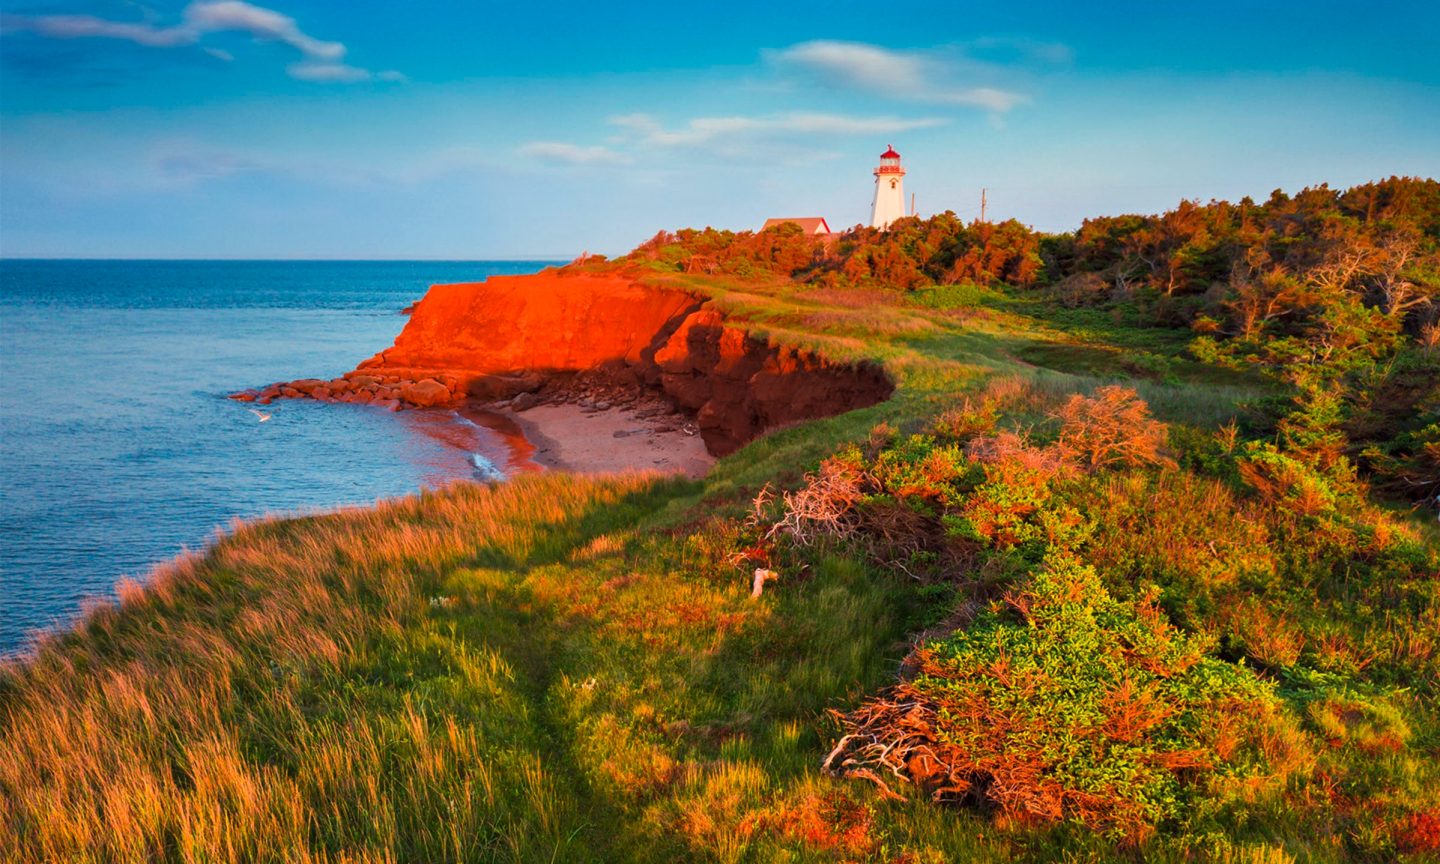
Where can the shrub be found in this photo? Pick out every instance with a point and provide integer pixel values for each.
(1420, 833)
(832, 821)
(1113, 427)
(961, 296)
(919, 468)
(1082, 289)
(1351, 719)
(1410, 463)
(966, 420)
(1270, 639)
(1067, 704)
(1193, 536)
(1009, 508)
(1287, 482)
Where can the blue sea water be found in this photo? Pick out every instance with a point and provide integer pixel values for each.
(118, 448)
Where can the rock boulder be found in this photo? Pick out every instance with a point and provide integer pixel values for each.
(425, 393)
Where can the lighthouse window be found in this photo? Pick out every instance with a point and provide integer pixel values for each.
(892, 184)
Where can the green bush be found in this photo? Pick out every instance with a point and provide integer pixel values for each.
(962, 296)
(1066, 704)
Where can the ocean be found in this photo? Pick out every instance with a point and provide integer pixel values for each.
(119, 448)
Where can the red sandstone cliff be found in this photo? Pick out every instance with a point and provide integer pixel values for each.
(545, 321)
(740, 386)
(495, 338)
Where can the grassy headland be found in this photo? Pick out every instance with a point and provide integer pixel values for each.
(1083, 589)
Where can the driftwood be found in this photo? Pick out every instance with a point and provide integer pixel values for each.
(894, 734)
(828, 507)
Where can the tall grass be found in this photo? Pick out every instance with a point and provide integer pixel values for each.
(516, 673)
(296, 694)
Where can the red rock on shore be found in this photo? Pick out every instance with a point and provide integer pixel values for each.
(426, 393)
(389, 391)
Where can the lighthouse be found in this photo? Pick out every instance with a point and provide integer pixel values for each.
(889, 190)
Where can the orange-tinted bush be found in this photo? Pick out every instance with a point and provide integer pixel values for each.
(1111, 428)
(1004, 511)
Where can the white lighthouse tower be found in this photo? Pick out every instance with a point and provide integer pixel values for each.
(889, 190)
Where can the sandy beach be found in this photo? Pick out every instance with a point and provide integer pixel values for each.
(645, 437)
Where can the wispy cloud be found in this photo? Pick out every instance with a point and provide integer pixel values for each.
(571, 154)
(182, 163)
(912, 75)
(187, 167)
(322, 60)
(222, 15)
(90, 27)
(1018, 49)
(327, 72)
(705, 131)
(734, 136)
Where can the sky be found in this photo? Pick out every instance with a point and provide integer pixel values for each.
(475, 130)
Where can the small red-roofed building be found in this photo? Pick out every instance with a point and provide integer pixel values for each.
(813, 225)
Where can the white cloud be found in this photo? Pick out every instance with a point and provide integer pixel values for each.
(570, 154)
(735, 136)
(327, 73)
(323, 61)
(990, 98)
(90, 27)
(221, 15)
(703, 131)
(857, 64)
(1012, 49)
(912, 75)
(186, 163)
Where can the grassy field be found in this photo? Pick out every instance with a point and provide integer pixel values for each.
(1184, 661)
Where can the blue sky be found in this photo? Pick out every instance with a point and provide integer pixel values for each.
(302, 129)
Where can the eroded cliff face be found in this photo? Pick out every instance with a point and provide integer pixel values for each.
(739, 385)
(544, 321)
(510, 334)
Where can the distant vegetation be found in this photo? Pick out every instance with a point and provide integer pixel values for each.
(1125, 570)
(1337, 294)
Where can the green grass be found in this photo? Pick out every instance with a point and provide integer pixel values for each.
(572, 669)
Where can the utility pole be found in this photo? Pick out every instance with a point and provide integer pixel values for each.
(912, 205)
(982, 204)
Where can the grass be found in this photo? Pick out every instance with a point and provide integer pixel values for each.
(573, 669)
(517, 673)
(304, 687)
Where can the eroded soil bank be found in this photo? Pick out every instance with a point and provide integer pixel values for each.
(594, 340)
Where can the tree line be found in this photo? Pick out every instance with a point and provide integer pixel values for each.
(1334, 292)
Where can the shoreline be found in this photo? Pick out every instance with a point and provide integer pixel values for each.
(647, 436)
(551, 437)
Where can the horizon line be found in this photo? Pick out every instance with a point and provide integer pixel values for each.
(542, 259)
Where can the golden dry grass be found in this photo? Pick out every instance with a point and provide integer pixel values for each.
(200, 720)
